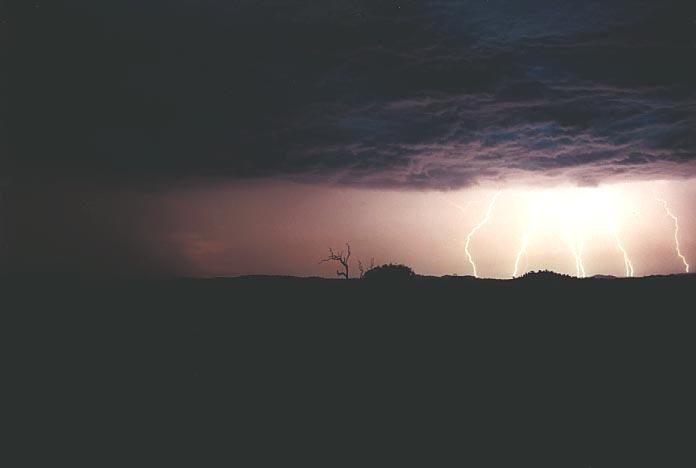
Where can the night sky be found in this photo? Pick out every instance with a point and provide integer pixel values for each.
(211, 137)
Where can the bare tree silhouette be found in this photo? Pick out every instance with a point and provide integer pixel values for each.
(362, 270)
(341, 258)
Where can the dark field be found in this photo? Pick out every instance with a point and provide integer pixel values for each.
(543, 372)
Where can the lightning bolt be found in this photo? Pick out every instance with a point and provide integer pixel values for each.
(476, 228)
(627, 260)
(525, 240)
(615, 233)
(576, 242)
(676, 234)
(576, 249)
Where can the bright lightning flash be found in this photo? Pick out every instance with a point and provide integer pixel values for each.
(628, 264)
(676, 233)
(627, 260)
(576, 247)
(531, 227)
(476, 228)
(577, 211)
(573, 229)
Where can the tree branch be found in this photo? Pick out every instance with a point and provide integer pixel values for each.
(341, 258)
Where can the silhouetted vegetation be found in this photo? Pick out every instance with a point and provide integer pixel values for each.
(361, 268)
(341, 258)
(390, 272)
(544, 275)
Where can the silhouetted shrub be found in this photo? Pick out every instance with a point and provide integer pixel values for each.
(390, 272)
(544, 275)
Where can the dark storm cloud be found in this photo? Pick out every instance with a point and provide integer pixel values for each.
(429, 94)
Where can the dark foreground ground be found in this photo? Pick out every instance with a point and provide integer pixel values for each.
(307, 372)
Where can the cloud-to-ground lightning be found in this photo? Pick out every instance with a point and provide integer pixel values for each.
(576, 249)
(576, 242)
(583, 219)
(611, 213)
(676, 234)
(627, 260)
(523, 248)
(527, 237)
(476, 228)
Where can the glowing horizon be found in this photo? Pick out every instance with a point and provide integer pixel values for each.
(583, 212)
(489, 232)
(281, 228)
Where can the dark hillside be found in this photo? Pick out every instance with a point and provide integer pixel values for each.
(256, 371)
